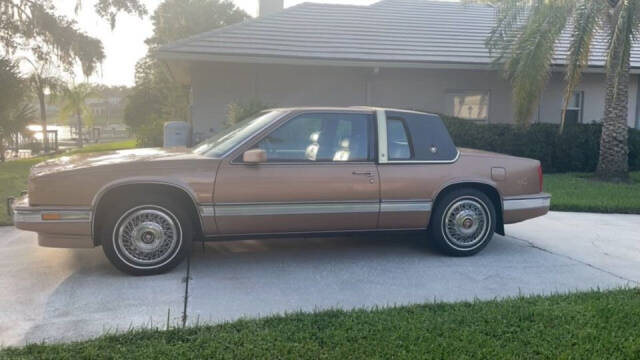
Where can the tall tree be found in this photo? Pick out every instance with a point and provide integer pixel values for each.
(35, 26)
(42, 82)
(73, 102)
(19, 117)
(156, 97)
(11, 93)
(524, 39)
(177, 19)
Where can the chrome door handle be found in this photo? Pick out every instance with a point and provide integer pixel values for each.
(367, 173)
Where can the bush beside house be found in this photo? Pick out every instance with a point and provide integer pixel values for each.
(575, 150)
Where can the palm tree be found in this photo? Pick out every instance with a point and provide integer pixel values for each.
(524, 37)
(41, 81)
(74, 103)
(19, 118)
(12, 94)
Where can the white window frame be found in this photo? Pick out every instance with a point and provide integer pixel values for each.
(453, 92)
(580, 107)
(383, 158)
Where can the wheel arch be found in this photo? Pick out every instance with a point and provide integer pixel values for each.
(488, 189)
(115, 192)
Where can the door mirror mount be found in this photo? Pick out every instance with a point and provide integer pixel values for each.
(254, 156)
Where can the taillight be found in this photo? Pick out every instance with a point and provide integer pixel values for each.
(540, 178)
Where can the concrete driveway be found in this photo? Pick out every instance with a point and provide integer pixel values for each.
(61, 294)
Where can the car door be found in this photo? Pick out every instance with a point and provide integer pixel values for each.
(319, 175)
(414, 157)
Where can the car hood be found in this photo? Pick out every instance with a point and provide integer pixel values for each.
(119, 157)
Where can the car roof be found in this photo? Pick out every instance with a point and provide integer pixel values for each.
(347, 109)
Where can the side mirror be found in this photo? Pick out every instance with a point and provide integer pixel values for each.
(254, 156)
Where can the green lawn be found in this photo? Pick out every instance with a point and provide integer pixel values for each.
(594, 325)
(580, 192)
(118, 145)
(13, 174)
(13, 179)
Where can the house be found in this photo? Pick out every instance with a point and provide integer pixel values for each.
(413, 54)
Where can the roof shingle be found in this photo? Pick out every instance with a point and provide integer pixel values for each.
(389, 31)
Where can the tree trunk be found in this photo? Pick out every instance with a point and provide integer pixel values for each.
(613, 163)
(43, 120)
(79, 118)
(2, 147)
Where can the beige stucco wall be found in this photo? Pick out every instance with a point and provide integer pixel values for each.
(218, 84)
(215, 85)
(426, 89)
(593, 86)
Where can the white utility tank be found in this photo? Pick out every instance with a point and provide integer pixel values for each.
(176, 133)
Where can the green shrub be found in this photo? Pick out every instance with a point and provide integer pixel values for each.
(241, 110)
(576, 149)
(149, 134)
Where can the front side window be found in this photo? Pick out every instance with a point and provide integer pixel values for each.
(468, 104)
(230, 137)
(319, 137)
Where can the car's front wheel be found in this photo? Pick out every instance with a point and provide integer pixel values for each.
(463, 222)
(145, 237)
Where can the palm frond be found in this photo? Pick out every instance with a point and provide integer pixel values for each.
(74, 100)
(529, 59)
(624, 21)
(21, 117)
(586, 21)
(509, 17)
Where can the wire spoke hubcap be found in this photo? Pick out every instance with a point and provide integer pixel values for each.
(147, 236)
(466, 223)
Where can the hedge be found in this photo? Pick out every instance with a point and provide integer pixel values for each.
(576, 149)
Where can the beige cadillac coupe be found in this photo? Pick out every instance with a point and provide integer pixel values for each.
(282, 172)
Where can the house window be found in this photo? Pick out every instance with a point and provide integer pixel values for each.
(573, 115)
(469, 104)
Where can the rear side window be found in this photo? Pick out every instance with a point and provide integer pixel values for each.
(398, 140)
(427, 137)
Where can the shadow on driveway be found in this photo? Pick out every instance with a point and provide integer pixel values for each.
(62, 294)
(230, 280)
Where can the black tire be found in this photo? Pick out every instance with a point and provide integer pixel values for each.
(162, 230)
(458, 212)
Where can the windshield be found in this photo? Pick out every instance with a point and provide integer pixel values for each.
(228, 138)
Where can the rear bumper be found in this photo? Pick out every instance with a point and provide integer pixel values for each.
(519, 208)
(56, 226)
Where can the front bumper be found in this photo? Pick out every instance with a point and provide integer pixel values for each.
(56, 226)
(519, 208)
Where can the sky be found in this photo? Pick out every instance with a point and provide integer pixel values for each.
(124, 45)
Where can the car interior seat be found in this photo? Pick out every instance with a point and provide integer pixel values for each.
(311, 153)
(343, 152)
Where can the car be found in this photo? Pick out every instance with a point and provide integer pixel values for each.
(282, 172)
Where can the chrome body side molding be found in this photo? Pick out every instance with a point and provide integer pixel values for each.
(404, 206)
(525, 203)
(23, 213)
(39, 216)
(311, 208)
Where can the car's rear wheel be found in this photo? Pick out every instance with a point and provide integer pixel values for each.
(145, 237)
(463, 222)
